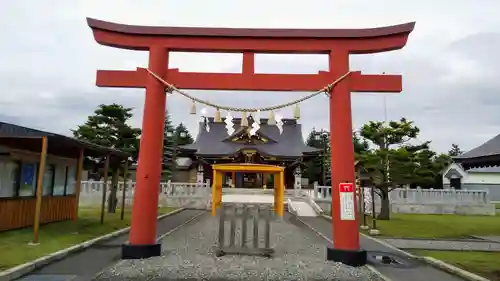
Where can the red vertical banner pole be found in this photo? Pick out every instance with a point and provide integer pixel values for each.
(346, 248)
(142, 240)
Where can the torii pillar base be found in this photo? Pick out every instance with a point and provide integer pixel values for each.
(131, 252)
(347, 257)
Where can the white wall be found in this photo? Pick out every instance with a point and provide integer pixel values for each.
(477, 181)
(472, 177)
(485, 178)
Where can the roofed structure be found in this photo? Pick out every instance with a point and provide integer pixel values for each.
(19, 137)
(485, 155)
(267, 141)
(266, 146)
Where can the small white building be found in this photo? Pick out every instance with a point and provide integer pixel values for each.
(487, 178)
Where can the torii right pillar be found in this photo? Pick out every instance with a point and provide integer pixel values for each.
(346, 243)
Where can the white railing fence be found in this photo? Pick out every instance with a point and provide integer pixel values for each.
(198, 195)
(419, 196)
(91, 191)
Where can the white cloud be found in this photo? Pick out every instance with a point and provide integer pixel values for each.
(450, 64)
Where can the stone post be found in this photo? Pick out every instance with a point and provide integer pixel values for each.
(199, 175)
(297, 186)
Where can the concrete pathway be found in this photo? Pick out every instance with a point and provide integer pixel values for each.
(495, 238)
(302, 209)
(248, 198)
(441, 244)
(419, 271)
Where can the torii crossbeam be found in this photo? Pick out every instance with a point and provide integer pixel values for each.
(159, 41)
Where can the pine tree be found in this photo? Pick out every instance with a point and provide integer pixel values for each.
(326, 165)
(109, 126)
(169, 148)
(182, 135)
(314, 168)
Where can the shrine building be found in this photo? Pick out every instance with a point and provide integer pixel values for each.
(266, 146)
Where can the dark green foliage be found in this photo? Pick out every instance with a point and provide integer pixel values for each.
(455, 150)
(318, 169)
(392, 162)
(314, 168)
(182, 135)
(108, 127)
(169, 148)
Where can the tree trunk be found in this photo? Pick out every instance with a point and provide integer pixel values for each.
(112, 198)
(385, 211)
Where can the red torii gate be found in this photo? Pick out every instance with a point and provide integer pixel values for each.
(159, 41)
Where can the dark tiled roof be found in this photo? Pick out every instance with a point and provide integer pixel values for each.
(25, 138)
(216, 142)
(491, 147)
(487, 154)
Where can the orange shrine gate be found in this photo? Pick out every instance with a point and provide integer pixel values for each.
(337, 43)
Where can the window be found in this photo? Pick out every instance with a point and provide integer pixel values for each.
(9, 178)
(60, 180)
(48, 180)
(71, 181)
(28, 179)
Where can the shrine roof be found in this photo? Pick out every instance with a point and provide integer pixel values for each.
(251, 32)
(215, 143)
(485, 155)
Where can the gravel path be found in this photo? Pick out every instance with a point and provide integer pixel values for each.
(451, 245)
(188, 255)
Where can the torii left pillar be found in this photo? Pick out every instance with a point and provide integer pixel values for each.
(142, 240)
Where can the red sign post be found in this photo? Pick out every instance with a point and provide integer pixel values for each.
(347, 202)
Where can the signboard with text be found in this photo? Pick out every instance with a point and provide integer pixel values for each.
(347, 210)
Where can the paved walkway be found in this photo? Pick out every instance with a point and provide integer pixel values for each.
(443, 244)
(419, 271)
(301, 208)
(86, 264)
(495, 238)
(246, 198)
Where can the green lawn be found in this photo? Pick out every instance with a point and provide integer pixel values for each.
(15, 250)
(481, 263)
(497, 205)
(438, 226)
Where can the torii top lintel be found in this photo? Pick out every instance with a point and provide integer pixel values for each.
(204, 39)
(339, 43)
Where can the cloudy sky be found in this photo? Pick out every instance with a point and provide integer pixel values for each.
(48, 59)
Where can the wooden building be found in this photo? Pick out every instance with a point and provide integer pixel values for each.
(40, 174)
(267, 146)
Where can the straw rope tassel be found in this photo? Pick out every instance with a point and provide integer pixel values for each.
(239, 109)
(296, 112)
(272, 120)
(217, 116)
(193, 108)
(244, 120)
